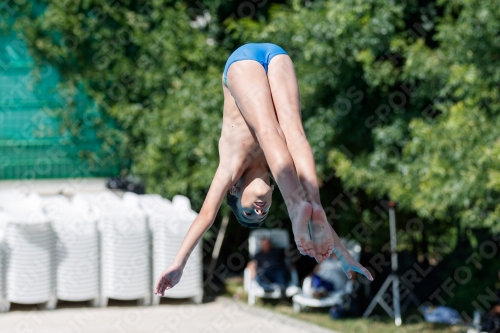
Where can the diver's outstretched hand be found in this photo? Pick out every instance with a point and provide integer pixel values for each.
(168, 279)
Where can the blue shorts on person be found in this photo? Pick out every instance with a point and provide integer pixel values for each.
(260, 52)
(319, 283)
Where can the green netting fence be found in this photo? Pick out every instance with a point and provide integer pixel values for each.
(31, 143)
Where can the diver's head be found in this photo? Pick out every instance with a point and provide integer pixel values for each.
(250, 199)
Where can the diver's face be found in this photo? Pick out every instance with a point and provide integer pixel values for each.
(255, 199)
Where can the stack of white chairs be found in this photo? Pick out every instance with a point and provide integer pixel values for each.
(29, 245)
(151, 204)
(98, 204)
(191, 284)
(169, 223)
(8, 197)
(159, 212)
(93, 247)
(130, 199)
(4, 304)
(56, 205)
(77, 250)
(125, 248)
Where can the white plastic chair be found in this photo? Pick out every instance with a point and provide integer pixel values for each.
(25, 214)
(279, 239)
(343, 286)
(4, 304)
(56, 205)
(22, 207)
(125, 246)
(9, 196)
(169, 223)
(77, 257)
(159, 215)
(152, 204)
(30, 265)
(97, 204)
(130, 199)
(125, 256)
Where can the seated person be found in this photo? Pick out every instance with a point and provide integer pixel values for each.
(327, 276)
(268, 266)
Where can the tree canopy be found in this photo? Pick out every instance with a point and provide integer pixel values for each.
(400, 100)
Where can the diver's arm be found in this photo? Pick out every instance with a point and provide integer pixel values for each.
(218, 188)
(172, 274)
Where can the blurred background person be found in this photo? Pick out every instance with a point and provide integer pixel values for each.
(268, 266)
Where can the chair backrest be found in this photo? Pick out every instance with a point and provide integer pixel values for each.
(9, 196)
(103, 199)
(130, 199)
(183, 215)
(56, 205)
(279, 238)
(182, 201)
(22, 205)
(154, 204)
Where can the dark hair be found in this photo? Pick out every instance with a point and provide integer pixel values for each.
(232, 201)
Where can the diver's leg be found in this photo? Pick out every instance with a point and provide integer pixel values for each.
(248, 84)
(285, 93)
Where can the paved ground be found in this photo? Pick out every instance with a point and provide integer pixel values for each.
(222, 316)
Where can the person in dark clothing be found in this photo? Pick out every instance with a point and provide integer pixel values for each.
(268, 267)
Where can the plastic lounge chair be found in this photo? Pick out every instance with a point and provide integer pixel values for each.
(7, 197)
(77, 254)
(159, 212)
(4, 304)
(29, 245)
(125, 254)
(280, 239)
(26, 250)
(98, 204)
(169, 223)
(342, 284)
(27, 208)
(55, 205)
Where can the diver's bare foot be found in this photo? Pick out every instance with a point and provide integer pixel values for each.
(321, 236)
(300, 226)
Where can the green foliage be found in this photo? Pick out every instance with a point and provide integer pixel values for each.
(443, 161)
(400, 100)
(150, 71)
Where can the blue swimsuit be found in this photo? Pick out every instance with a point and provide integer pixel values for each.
(260, 52)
